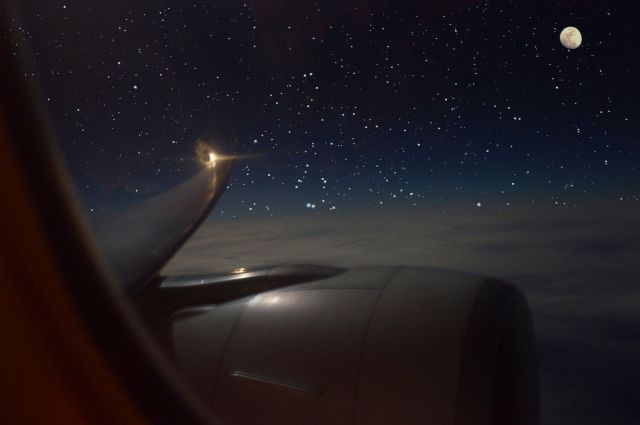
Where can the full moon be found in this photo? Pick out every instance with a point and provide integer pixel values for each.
(571, 38)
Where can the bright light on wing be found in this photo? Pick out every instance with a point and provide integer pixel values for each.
(212, 160)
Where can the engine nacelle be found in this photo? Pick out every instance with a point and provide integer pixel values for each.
(366, 346)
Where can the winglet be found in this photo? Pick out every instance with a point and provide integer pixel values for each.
(139, 241)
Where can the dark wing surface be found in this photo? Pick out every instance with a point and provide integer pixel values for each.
(139, 241)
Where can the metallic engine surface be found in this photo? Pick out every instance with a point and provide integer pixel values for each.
(368, 346)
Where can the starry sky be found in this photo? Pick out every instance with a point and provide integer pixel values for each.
(344, 105)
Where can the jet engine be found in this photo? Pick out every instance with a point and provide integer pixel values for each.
(377, 345)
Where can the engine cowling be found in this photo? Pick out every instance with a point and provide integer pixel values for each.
(368, 346)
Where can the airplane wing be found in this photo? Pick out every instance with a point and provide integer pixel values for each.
(137, 242)
(312, 344)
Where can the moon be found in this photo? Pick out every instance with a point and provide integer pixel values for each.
(571, 38)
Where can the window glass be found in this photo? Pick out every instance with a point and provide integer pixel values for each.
(493, 137)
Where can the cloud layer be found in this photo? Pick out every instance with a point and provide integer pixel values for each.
(579, 269)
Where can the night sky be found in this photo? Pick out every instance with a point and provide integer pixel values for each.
(344, 105)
